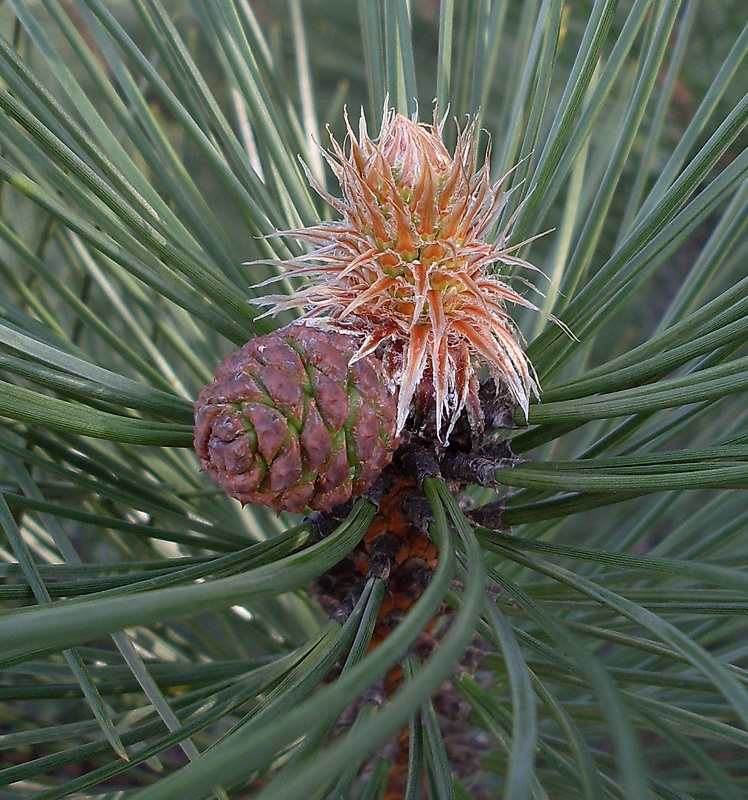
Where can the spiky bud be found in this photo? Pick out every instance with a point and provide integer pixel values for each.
(413, 262)
(293, 420)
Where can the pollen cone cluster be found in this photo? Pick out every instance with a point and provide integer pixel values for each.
(291, 421)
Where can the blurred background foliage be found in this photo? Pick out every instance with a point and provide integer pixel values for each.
(146, 148)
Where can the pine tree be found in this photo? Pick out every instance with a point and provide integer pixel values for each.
(507, 595)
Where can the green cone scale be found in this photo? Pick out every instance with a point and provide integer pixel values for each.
(291, 422)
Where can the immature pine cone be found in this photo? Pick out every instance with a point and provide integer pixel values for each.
(290, 422)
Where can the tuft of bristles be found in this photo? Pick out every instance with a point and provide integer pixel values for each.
(410, 264)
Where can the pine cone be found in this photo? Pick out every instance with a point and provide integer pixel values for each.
(290, 422)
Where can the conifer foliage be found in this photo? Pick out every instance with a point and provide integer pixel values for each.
(466, 517)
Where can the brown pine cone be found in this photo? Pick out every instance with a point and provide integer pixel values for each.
(290, 422)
